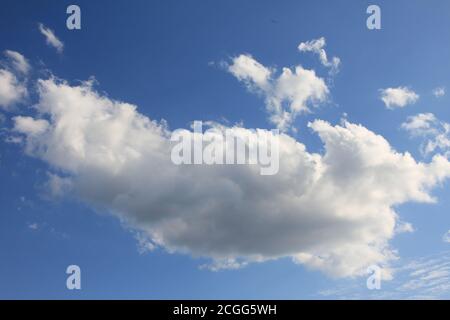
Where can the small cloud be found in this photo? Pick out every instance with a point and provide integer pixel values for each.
(18, 61)
(398, 97)
(51, 38)
(30, 125)
(144, 243)
(33, 226)
(422, 124)
(294, 91)
(45, 227)
(439, 92)
(404, 227)
(317, 47)
(446, 237)
(12, 91)
(56, 186)
(436, 133)
(224, 264)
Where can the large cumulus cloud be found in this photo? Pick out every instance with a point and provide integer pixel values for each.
(332, 211)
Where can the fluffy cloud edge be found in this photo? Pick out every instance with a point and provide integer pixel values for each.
(294, 91)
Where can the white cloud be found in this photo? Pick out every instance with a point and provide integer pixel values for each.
(421, 124)
(446, 237)
(317, 46)
(428, 276)
(421, 278)
(33, 226)
(51, 38)
(227, 263)
(435, 132)
(19, 62)
(144, 245)
(57, 186)
(293, 92)
(333, 212)
(404, 227)
(439, 92)
(30, 126)
(398, 97)
(251, 72)
(11, 90)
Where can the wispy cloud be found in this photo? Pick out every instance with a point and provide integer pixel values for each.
(13, 72)
(12, 91)
(317, 46)
(439, 92)
(436, 133)
(428, 276)
(446, 237)
(51, 38)
(19, 62)
(46, 228)
(421, 278)
(33, 226)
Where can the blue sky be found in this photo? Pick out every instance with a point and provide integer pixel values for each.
(171, 60)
